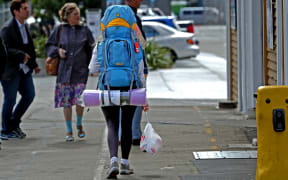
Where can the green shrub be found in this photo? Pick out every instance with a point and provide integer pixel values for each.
(157, 57)
(39, 43)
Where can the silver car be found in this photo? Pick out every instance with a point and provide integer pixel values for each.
(180, 44)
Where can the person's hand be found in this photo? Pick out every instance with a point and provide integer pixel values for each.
(62, 53)
(37, 70)
(27, 57)
(145, 108)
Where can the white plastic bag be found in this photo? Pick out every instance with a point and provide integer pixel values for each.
(150, 140)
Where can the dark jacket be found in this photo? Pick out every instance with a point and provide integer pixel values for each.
(16, 49)
(139, 24)
(3, 57)
(78, 43)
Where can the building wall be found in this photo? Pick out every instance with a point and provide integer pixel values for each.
(245, 58)
(232, 57)
(234, 64)
(270, 54)
(261, 55)
(285, 41)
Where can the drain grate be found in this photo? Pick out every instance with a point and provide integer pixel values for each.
(225, 155)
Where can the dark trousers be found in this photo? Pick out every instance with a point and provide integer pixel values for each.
(111, 114)
(22, 83)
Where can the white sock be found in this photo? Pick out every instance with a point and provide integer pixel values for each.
(113, 159)
(124, 161)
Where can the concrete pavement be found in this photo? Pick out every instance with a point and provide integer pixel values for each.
(186, 124)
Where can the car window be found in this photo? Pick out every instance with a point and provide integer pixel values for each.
(183, 25)
(187, 12)
(150, 32)
(193, 12)
(198, 12)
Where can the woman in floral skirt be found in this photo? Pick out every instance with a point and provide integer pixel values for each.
(76, 45)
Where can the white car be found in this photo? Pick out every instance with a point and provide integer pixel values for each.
(181, 44)
(150, 12)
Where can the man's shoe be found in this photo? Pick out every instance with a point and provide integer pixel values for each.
(125, 169)
(9, 136)
(16, 134)
(113, 171)
(136, 142)
(20, 133)
(4, 137)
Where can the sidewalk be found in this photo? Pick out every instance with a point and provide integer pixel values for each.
(185, 125)
(45, 155)
(194, 128)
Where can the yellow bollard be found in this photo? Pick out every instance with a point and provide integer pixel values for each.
(272, 133)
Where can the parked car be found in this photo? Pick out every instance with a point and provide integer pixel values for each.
(186, 25)
(200, 15)
(150, 12)
(167, 20)
(181, 44)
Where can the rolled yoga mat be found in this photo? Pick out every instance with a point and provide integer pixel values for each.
(93, 97)
(138, 97)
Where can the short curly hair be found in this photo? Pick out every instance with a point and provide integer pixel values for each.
(66, 10)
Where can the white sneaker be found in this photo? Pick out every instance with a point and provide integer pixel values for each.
(125, 170)
(113, 171)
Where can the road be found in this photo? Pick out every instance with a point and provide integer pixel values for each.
(212, 39)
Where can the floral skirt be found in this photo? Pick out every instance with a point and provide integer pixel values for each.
(67, 95)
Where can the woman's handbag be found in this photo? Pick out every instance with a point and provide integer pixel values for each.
(52, 66)
(52, 63)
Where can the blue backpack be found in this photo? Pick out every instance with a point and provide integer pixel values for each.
(119, 52)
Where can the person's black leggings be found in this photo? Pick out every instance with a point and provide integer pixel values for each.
(111, 114)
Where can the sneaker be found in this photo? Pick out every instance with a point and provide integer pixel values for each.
(11, 135)
(125, 170)
(20, 133)
(113, 171)
(4, 137)
(15, 134)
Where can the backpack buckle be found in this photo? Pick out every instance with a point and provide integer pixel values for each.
(137, 47)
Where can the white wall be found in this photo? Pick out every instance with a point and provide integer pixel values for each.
(250, 52)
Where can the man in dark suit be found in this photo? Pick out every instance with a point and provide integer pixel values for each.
(3, 57)
(17, 75)
(136, 123)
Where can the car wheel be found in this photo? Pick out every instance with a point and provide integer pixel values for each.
(171, 55)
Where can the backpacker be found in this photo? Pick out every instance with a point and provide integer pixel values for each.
(119, 52)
